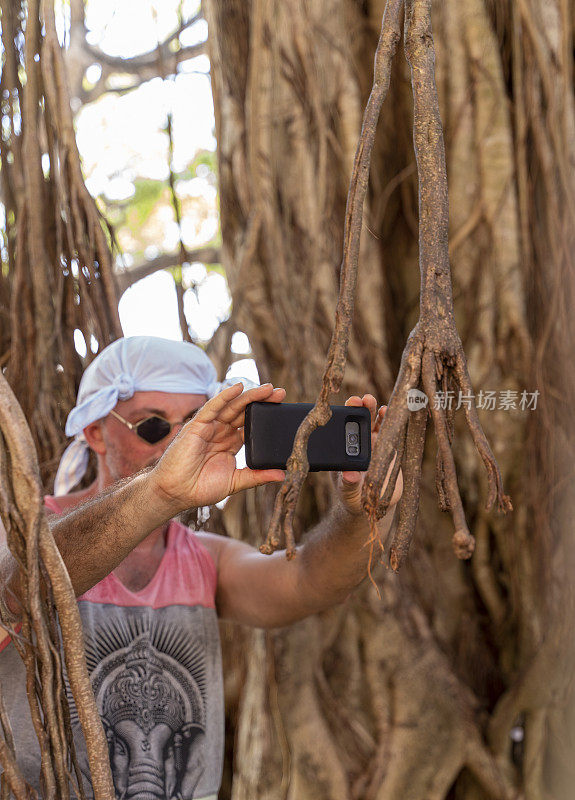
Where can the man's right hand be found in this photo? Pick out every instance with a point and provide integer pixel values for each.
(199, 467)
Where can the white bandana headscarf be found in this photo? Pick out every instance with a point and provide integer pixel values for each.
(133, 364)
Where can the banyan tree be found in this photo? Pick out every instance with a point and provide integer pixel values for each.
(442, 677)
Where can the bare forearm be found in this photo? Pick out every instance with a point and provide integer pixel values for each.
(335, 555)
(96, 536)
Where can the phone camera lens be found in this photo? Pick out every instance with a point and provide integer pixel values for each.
(352, 438)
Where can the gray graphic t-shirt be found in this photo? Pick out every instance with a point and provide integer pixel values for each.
(155, 664)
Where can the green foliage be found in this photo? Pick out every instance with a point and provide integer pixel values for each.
(140, 221)
(147, 193)
(206, 158)
(177, 274)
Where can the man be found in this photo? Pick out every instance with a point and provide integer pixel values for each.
(150, 590)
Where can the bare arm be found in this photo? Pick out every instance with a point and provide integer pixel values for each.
(335, 557)
(96, 536)
(198, 468)
(270, 591)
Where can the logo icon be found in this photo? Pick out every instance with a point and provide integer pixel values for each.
(416, 400)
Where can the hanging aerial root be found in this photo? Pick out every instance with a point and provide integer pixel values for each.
(409, 503)
(433, 354)
(434, 349)
(297, 465)
(297, 470)
(392, 429)
(495, 481)
(463, 541)
(442, 496)
(33, 546)
(401, 424)
(60, 274)
(383, 504)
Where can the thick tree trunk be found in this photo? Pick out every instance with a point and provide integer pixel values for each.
(414, 695)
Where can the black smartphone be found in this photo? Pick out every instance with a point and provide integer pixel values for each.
(344, 443)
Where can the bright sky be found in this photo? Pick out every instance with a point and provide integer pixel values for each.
(121, 138)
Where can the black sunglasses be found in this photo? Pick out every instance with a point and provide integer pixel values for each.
(152, 429)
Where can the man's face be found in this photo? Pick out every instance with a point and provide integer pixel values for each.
(125, 452)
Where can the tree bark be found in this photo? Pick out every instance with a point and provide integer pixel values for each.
(57, 277)
(414, 695)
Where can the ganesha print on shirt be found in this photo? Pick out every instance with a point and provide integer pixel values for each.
(148, 673)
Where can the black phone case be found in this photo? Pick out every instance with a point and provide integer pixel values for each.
(270, 429)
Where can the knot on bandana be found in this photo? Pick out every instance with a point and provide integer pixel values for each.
(124, 384)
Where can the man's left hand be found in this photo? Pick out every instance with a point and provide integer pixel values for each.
(351, 483)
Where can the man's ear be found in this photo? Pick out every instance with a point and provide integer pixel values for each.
(93, 433)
